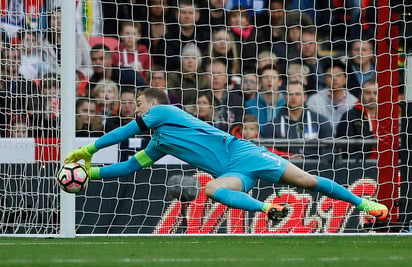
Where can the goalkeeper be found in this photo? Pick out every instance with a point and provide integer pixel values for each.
(236, 163)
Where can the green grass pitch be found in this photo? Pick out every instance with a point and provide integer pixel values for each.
(348, 251)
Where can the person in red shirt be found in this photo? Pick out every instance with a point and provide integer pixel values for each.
(130, 53)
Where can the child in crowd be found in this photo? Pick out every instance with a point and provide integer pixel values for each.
(130, 53)
(249, 129)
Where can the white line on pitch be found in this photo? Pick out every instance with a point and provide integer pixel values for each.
(63, 243)
(130, 260)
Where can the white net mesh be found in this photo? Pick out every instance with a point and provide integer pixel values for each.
(317, 83)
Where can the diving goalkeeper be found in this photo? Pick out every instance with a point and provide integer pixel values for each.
(237, 164)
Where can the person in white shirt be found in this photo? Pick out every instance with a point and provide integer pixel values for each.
(333, 101)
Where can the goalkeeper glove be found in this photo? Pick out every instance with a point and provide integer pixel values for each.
(85, 152)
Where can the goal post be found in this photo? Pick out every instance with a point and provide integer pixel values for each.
(388, 79)
(68, 111)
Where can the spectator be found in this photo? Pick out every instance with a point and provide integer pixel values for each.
(46, 118)
(224, 48)
(334, 100)
(184, 85)
(274, 33)
(156, 78)
(248, 39)
(52, 45)
(265, 106)
(183, 32)
(204, 108)
(299, 73)
(88, 123)
(286, 47)
(309, 50)
(106, 95)
(361, 67)
(103, 69)
(216, 14)
(256, 9)
(19, 127)
(274, 29)
(249, 85)
(154, 30)
(227, 104)
(32, 64)
(361, 122)
(127, 110)
(122, 10)
(17, 95)
(130, 53)
(296, 121)
(249, 129)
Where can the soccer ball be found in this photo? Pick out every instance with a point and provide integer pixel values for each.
(72, 178)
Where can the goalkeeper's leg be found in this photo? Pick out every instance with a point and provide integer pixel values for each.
(297, 177)
(228, 191)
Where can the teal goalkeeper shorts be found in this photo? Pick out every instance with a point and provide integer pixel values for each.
(249, 162)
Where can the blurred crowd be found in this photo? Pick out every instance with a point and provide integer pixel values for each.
(258, 69)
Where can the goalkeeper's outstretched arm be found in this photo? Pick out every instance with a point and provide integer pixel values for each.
(141, 159)
(116, 136)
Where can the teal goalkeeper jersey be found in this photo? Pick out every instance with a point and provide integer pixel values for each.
(180, 134)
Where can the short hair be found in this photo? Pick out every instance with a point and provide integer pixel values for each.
(152, 93)
(296, 68)
(187, 3)
(155, 69)
(239, 8)
(134, 24)
(363, 40)
(127, 89)
(296, 83)
(269, 67)
(333, 63)
(249, 118)
(369, 82)
(267, 54)
(80, 101)
(100, 47)
(216, 61)
(309, 29)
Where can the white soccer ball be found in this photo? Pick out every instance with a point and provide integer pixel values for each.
(72, 178)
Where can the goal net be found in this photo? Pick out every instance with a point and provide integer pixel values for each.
(321, 84)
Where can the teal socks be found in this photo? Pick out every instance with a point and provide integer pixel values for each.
(335, 190)
(237, 200)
